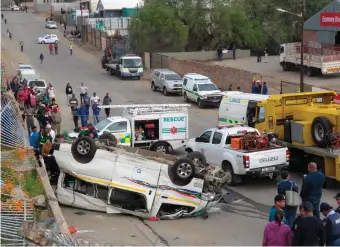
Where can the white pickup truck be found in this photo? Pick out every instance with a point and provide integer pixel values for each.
(216, 146)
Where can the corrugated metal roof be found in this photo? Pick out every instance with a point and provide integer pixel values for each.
(313, 23)
(116, 4)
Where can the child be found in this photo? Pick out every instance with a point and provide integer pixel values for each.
(276, 233)
(279, 204)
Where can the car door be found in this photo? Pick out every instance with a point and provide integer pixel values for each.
(194, 92)
(161, 81)
(121, 131)
(214, 151)
(47, 38)
(203, 142)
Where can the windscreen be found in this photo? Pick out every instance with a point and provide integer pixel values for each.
(25, 67)
(36, 84)
(172, 77)
(132, 63)
(102, 124)
(207, 87)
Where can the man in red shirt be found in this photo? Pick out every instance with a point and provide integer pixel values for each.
(50, 47)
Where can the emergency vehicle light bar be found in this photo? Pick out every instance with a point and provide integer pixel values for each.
(144, 106)
(229, 126)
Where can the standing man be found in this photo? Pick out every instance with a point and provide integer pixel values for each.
(287, 184)
(73, 102)
(107, 101)
(332, 224)
(219, 53)
(259, 87)
(41, 57)
(84, 115)
(309, 230)
(266, 55)
(56, 120)
(234, 52)
(69, 93)
(87, 101)
(34, 136)
(95, 98)
(51, 92)
(96, 111)
(70, 46)
(56, 48)
(259, 55)
(279, 204)
(83, 90)
(29, 114)
(75, 109)
(264, 88)
(50, 47)
(22, 46)
(311, 190)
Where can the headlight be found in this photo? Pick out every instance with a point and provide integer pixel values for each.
(208, 196)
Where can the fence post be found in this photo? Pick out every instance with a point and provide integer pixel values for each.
(100, 39)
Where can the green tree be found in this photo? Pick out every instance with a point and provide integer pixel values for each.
(157, 29)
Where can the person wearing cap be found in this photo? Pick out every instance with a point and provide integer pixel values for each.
(311, 190)
(279, 204)
(337, 198)
(50, 131)
(331, 223)
(309, 231)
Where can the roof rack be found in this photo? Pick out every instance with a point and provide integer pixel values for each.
(149, 108)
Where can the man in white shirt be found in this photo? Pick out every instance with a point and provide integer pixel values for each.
(95, 98)
(51, 93)
(51, 131)
(83, 90)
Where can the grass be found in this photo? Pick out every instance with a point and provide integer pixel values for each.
(32, 184)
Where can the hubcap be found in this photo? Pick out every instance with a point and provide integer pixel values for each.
(319, 132)
(184, 170)
(83, 147)
(161, 149)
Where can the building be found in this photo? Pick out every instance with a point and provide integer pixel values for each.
(117, 8)
(324, 26)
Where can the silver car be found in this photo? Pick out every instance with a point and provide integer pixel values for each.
(167, 81)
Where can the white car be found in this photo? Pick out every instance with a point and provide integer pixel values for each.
(131, 181)
(51, 25)
(22, 67)
(15, 8)
(48, 39)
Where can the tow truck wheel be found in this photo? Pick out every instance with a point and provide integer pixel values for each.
(181, 172)
(320, 128)
(83, 149)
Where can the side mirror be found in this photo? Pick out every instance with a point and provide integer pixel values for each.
(197, 139)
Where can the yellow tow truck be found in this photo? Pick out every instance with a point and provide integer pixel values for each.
(308, 124)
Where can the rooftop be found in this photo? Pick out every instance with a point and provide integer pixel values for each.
(116, 4)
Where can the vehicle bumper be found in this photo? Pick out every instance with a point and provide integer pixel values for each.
(260, 172)
(129, 75)
(175, 90)
(211, 102)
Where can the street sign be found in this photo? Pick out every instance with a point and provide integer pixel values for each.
(85, 12)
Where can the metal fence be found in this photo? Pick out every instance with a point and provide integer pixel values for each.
(158, 61)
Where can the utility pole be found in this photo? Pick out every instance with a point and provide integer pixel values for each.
(81, 16)
(302, 71)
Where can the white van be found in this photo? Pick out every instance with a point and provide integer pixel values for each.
(28, 74)
(237, 108)
(201, 89)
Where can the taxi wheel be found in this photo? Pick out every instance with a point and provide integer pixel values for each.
(181, 172)
(83, 149)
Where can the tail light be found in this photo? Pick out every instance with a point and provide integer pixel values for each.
(287, 155)
(246, 162)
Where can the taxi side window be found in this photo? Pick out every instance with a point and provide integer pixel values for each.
(195, 88)
(118, 127)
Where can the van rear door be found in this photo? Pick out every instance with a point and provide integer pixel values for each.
(232, 111)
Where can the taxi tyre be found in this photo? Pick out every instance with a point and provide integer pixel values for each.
(323, 122)
(86, 155)
(197, 155)
(108, 139)
(181, 172)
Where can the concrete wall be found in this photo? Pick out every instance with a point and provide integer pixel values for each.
(42, 7)
(205, 55)
(66, 6)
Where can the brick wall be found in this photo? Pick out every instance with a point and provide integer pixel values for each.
(310, 35)
(223, 76)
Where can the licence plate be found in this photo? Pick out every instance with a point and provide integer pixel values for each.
(215, 101)
(268, 169)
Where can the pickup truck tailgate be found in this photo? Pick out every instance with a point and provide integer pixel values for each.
(267, 158)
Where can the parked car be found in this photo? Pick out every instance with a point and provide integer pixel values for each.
(51, 25)
(15, 8)
(131, 181)
(22, 67)
(48, 39)
(166, 81)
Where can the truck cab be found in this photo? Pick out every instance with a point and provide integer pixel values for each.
(127, 66)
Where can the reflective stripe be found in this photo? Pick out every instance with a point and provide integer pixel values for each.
(126, 138)
(230, 121)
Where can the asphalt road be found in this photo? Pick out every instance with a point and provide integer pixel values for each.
(240, 222)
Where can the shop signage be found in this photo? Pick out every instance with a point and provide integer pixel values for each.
(330, 19)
